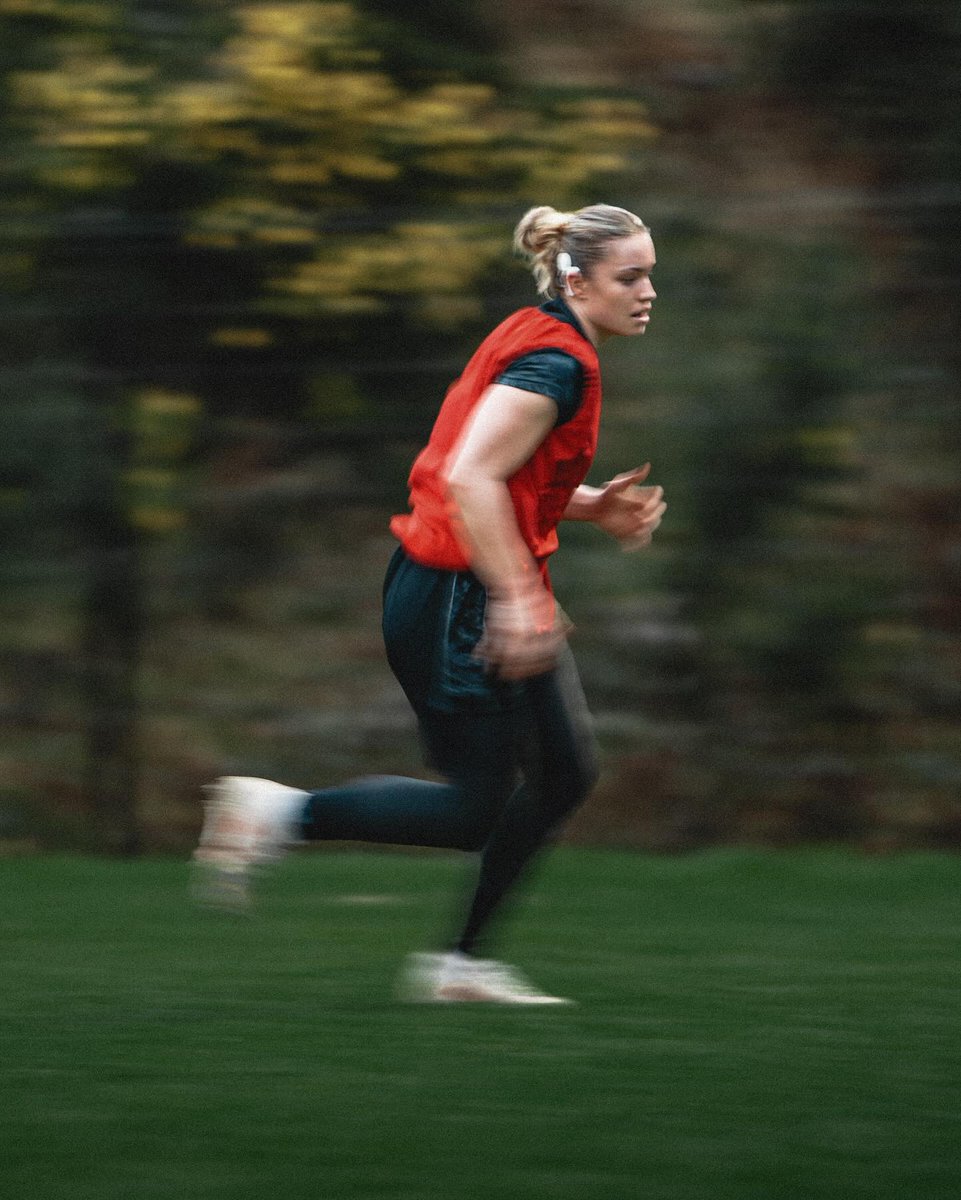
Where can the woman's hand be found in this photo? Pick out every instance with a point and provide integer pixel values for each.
(627, 512)
(522, 635)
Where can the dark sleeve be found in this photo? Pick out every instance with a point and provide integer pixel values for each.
(553, 373)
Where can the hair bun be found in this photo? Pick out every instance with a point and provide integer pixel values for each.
(539, 228)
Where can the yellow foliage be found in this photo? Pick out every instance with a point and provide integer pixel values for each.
(285, 235)
(312, 23)
(163, 425)
(161, 402)
(279, 40)
(427, 259)
(84, 177)
(231, 222)
(448, 312)
(300, 172)
(251, 339)
(300, 104)
(454, 162)
(84, 83)
(97, 139)
(364, 166)
(91, 14)
(200, 104)
(157, 518)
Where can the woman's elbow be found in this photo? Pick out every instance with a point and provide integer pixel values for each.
(458, 478)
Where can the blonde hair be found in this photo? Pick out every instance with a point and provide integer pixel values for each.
(543, 233)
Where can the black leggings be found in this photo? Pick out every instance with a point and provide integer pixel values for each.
(517, 762)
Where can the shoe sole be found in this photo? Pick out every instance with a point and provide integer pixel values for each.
(468, 995)
(217, 887)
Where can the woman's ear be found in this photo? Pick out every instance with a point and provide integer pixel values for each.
(565, 265)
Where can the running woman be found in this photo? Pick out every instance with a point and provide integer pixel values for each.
(471, 627)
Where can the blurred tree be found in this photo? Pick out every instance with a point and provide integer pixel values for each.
(883, 87)
(801, 655)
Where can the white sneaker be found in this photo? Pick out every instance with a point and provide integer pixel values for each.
(420, 977)
(457, 979)
(247, 822)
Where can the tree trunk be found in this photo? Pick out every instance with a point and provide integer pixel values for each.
(112, 649)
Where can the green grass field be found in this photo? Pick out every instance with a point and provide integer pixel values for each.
(749, 1025)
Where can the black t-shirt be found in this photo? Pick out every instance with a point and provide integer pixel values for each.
(553, 373)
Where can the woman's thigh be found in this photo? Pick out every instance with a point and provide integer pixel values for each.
(544, 734)
(557, 747)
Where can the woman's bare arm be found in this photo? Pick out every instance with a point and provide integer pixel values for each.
(521, 635)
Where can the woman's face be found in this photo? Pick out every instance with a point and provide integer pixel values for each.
(615, 301)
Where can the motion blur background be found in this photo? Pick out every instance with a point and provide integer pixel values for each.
(245, 247)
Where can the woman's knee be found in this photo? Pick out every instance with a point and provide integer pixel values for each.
(482, 798)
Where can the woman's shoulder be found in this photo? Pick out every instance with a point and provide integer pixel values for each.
(529, 329)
